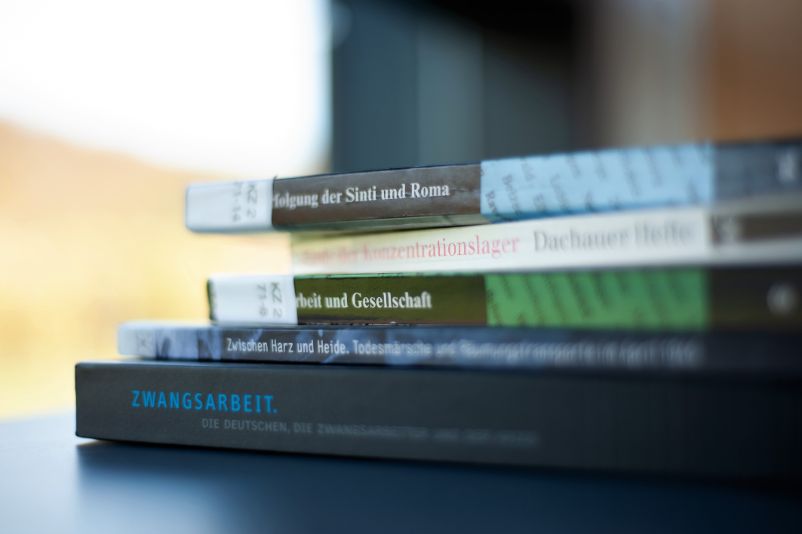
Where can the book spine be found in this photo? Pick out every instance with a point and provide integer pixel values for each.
(746, 169)
(247, 299)
(417, 197)
(439, 196)
(252, 299)
(603, 180)
(470, 347)
(640, 177)
(682, 427)
(229, 207)
(500, 190)
(762, 230)
(659, 298)
(605, 240)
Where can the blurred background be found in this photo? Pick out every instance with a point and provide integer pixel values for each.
(109, 109)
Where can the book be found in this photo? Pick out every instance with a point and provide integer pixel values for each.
(680, 298)
(686, 425)
(766, 230)
(500, 190)
(470, 347)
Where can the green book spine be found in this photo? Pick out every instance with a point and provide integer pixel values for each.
(605, 299)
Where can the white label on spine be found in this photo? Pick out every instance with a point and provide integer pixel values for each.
(253, 299)
(136, 339)
(244, 206)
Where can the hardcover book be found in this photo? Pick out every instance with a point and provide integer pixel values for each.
(680, 425)
(682, 298)
(500, 190)
(766, 230)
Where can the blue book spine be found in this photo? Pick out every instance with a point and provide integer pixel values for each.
(604, 180)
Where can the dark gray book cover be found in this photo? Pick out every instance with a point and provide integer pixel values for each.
(650, 424)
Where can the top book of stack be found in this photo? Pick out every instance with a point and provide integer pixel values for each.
(500, 190)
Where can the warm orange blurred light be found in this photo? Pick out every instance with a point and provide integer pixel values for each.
(91, 239)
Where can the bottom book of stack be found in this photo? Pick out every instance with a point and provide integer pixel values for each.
(685, 421)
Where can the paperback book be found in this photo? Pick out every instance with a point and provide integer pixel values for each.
(524, 349)
(500, 190)
(682, 298)
(764, 231)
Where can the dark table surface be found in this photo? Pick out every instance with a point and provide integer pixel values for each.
(51, 481)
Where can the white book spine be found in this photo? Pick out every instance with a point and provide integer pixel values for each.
(133, 338)
(252, 299)
(667, 236)
(245, 206)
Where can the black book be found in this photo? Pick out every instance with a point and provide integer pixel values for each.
(744, 426)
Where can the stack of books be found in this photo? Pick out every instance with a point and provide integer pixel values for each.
(635, 310)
